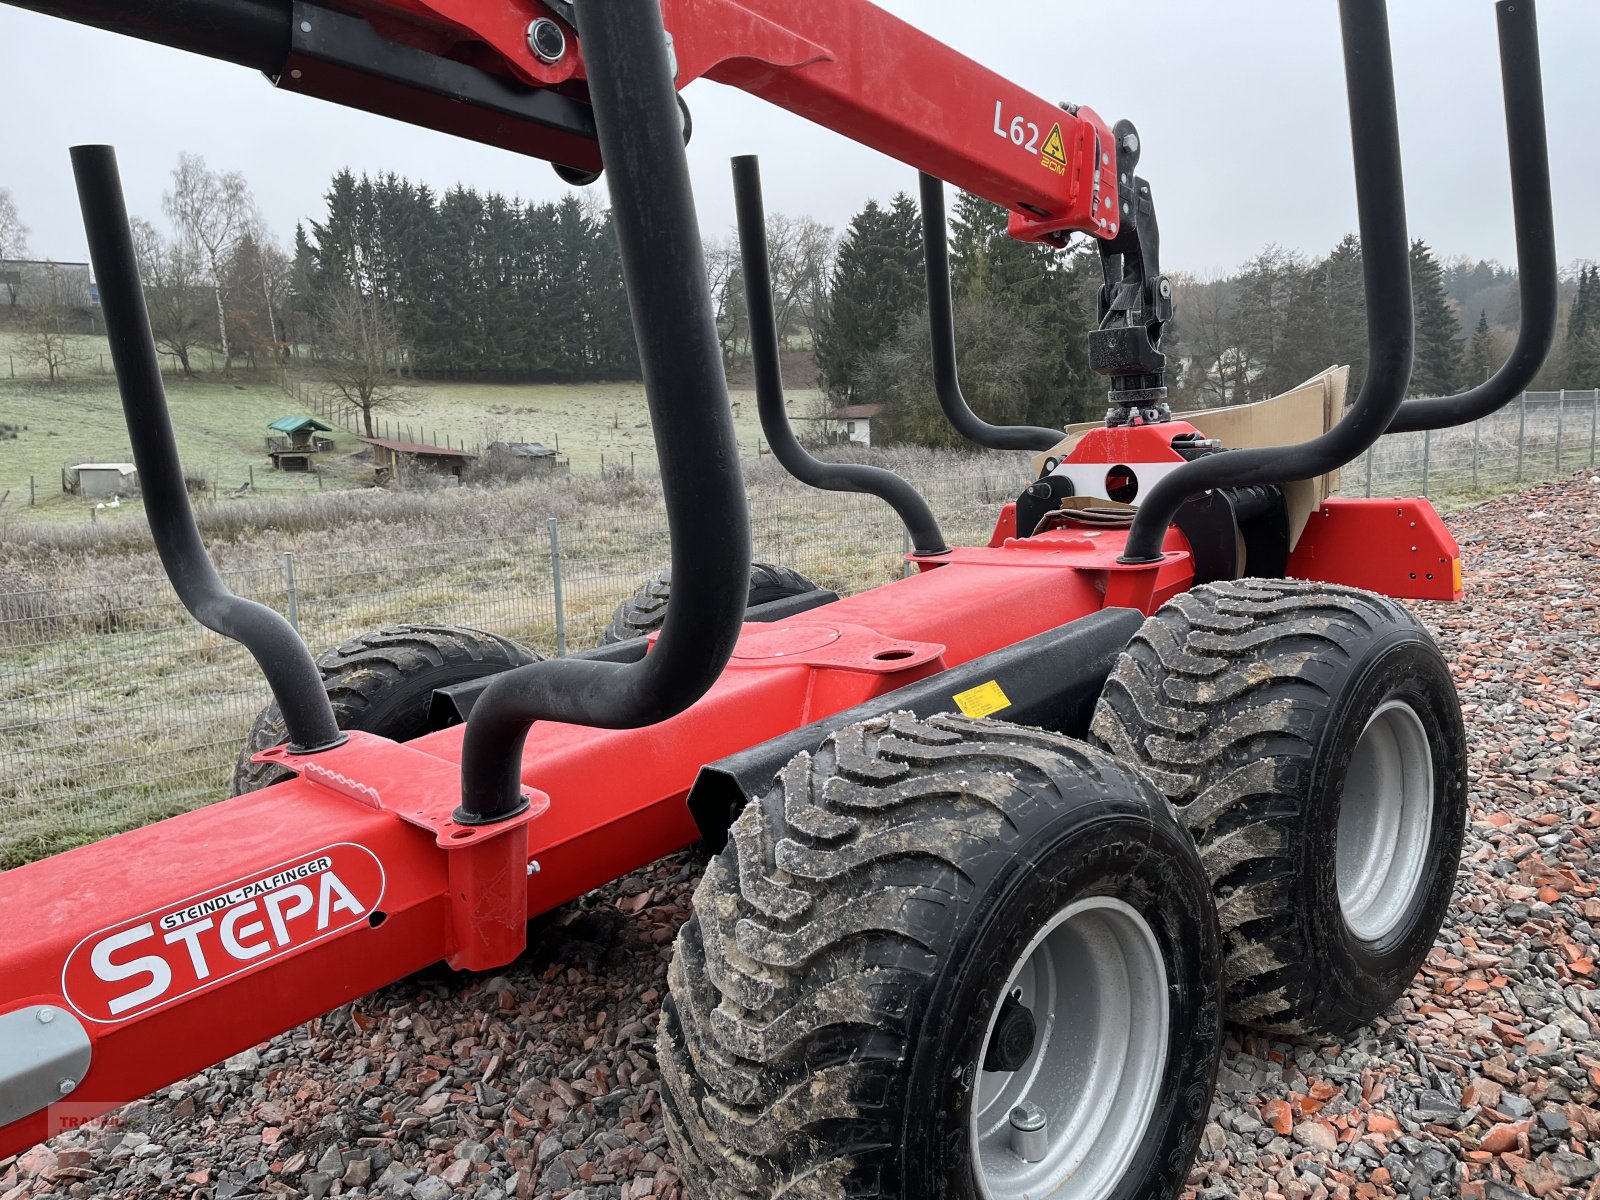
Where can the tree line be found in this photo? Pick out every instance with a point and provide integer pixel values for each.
(1022, 312)
(1282, 317)
(477, 286)
(213, 279)
(394, 280)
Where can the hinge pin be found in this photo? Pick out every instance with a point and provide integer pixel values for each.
(547, 40)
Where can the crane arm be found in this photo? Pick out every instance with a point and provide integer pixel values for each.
(511, 73)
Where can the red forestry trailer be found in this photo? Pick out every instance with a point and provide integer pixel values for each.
(1000, 845)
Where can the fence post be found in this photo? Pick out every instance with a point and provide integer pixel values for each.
(1477, 449)
(905, 549)
(555, 580)
(1594, 412)
(33, 498)
(1427, 458)
(1369, 472)
(289, 587)
(1561, 426)
(1522, 432)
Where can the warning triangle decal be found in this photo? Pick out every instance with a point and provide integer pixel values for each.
(1054, 148)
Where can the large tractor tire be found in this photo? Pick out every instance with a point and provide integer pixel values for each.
(646, 610)
(383, 683)
(945, 957)
(1311, 739)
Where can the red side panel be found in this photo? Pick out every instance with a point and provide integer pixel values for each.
(1397, 548)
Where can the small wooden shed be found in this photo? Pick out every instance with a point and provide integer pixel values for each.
(296, 447)
(100, 481)
(397, 459)
(529, 458)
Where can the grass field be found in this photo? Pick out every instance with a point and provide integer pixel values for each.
(594, 424)
(117, 709)
(221, 430)
(221, 427)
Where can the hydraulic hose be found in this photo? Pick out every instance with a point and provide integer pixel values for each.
(251, 33)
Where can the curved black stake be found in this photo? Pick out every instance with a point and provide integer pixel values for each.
(920, 523)
(1386, 272)
(942, 324)
(1537, 283)
(283, 658)
(641, 140)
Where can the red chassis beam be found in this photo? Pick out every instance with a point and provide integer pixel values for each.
(172, 947)
(179, 944)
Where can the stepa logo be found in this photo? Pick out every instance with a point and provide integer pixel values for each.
(195, 944)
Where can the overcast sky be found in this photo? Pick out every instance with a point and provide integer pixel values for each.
(1240, 105)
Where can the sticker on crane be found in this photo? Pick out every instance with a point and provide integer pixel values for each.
(1055, 152)
(984, 700)
(200, 942)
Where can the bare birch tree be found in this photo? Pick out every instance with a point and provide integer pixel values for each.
(56, 297)
(13, 240)
(801, 251)
(173, 292)
(725, 276)
(211, 211)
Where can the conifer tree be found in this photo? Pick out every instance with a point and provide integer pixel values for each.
(1437, 371)
(1480, 353)
(877, 281)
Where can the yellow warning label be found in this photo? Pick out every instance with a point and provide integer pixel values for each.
(983, 700)
(1055, 151)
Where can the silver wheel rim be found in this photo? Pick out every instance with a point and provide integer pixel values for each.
(1385, 821)
(1096, 984)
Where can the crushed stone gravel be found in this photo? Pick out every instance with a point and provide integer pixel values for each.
(540, 1082)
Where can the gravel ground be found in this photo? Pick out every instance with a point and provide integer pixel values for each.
(540, 1082)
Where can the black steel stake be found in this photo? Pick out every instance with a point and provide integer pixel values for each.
(641, 139)
(942, 325)
(913, 510)
(283, 658)
(1386, 270)
(1537, 280)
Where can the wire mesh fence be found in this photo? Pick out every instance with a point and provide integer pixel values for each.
(1541, 436)
(117, 709)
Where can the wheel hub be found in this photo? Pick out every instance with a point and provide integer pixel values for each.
(1066, 1121)
(1012, 1040)
(1385, 821)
